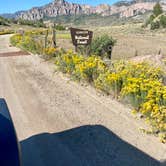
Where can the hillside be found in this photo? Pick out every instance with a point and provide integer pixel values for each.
(3, 21)
(63, 8)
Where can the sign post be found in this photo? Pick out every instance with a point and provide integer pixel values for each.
(81, 37)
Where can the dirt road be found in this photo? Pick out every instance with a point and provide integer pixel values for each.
(61, 123)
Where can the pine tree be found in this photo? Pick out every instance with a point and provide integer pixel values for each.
(157, 10)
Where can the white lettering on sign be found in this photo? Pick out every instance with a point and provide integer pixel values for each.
(82, 41)
(82, 32)
(82, 37)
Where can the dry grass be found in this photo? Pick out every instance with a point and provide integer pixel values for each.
(132, 45)
(132, 40)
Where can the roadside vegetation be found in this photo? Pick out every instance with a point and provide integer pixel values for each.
(157, 19)
(4, 21)
(37, 23)
(6, 31)
(138, 84)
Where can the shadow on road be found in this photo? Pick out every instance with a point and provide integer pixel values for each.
(82, 146)
(9, 149)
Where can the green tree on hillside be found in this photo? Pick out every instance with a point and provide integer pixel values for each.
(161, 18)
(163, 21)
(157, 10)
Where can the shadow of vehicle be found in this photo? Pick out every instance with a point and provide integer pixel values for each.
(82, 146)
(9, 146)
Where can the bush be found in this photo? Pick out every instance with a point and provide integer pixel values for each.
(157, 10)
(102, 46)
(50, 52)
(6, 31)
(37, 23)
(60, 27)
(163, 21)
(31, 43)
(111, 83)
(89, 69)
(4, 21)
(143, 87)
(79, 67)
(25, 42)
(157, 14)
(138, 83)
(150, 20)
(28, 44)
(155, 25)
(16, 39)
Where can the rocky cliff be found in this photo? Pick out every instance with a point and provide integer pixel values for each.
(62, 7)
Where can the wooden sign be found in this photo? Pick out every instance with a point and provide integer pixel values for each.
(81, 37)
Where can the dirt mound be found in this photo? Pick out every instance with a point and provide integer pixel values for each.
(155, 60)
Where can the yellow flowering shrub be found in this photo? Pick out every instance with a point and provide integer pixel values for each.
(16, 39)
(68, 61)
(90, 68)
(50, 51)
(6, 31)
(33, 41)
(140, 70)
(35, 32)
(81, 67)
(27, 42)
(110, 83)
(140, 84)
(143, 87)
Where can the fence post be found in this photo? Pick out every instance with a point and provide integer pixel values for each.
(53, 36)
(46, 37)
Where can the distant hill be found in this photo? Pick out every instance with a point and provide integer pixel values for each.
(123, 9)
(12, 15)
(3, 21)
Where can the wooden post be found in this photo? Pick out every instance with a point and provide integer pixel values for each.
(53, 36)
(46, 37)
(87, 47)
(76, 49)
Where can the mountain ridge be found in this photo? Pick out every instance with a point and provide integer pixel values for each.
(62, 7)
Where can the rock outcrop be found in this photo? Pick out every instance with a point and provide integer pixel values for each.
(62, 7)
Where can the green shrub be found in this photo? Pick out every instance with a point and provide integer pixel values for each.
(25, 42)
(157, 10)
(16, 39)
(155, 25)
(163, 21)
(137, 83)
(150, 20)
(102, 45)
(4, 21)
(60, 27)
(37, 23)
(28, 44)
(6, 31)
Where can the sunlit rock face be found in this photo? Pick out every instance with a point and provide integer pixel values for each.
(62, 7)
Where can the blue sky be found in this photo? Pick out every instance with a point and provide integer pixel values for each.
(10, 6)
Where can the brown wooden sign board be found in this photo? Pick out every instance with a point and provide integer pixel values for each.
(81, 37)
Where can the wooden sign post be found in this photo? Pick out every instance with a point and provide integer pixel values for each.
(81, 37)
